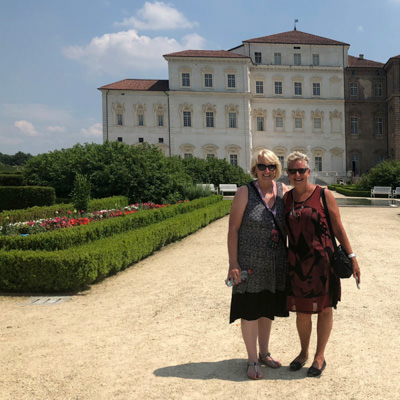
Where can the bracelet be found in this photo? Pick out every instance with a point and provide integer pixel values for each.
(352, 255)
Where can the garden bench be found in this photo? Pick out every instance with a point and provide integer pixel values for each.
(396, 192)
(385, 190)
(227, 188)
(208, 186)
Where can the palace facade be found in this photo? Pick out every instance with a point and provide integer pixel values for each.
(289, 91)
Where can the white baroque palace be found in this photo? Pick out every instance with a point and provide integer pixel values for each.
(284, 92)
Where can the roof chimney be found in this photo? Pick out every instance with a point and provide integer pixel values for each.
(361, 56)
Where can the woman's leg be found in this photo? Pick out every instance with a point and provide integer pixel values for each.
(324, 328)
(264, 333)
(304, 326)
(250, 334)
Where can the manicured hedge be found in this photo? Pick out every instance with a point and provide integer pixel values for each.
(16, 197)
(350, 191)
(78, 267)
(69, 237)
(11, 180)
(36, 213)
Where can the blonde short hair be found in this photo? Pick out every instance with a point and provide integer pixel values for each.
(269, 157)
(297, 155)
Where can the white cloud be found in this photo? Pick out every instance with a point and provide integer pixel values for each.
(127, 51)
(360, 28)
(26, 127)
(95, 130)
(56, 128)
(157, 16)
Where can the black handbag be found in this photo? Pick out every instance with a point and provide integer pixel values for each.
(340, 261)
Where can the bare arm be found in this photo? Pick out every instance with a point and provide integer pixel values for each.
(235, 220)
(339, 230)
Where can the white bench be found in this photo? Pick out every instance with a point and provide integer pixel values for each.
(227, 188)
(385, 190)
(396, 192)
(208, 186)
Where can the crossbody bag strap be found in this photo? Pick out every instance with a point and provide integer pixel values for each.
(328, 219)
(273, 216)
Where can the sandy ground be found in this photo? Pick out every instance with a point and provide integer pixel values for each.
(160, 330)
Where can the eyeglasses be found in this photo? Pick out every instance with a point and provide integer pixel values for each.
(293, 171)
(263, 167)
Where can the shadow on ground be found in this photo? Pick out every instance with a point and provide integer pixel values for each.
(227, 370)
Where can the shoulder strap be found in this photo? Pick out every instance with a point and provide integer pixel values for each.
(328, 219)
(273, 216)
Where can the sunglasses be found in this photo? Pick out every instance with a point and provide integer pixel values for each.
(263, 167)
(293, 171)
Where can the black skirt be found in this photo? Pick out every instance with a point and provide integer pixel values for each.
(251, 306)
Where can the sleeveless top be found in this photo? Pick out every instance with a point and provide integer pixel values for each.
(257, 251)
(312, 284)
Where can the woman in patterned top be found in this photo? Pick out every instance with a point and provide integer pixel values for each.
(256, 247)
(313, 287)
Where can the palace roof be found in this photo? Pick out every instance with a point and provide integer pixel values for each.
(138, 84)
(363, 62)
(296, 37)
(205, 53)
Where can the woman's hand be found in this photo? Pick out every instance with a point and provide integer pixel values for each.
(234, 274)
(356, 269)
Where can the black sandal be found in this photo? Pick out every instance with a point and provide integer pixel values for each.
(313, 372)
(256, 366)
(296, 365)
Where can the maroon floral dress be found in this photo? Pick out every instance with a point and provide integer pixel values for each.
(312, 284)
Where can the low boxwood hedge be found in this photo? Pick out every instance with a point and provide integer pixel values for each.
(76, 268)
(69, 237)
(350, 190)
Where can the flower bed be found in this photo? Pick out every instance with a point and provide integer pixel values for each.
(71, 219)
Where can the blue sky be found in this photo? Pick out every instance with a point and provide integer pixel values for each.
(55, 54)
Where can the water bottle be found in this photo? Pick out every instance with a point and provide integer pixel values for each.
(243, 276)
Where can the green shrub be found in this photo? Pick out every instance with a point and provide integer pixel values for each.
(16, 197)
(387, 173)
(11, 180)
(81, 192)
(80, 266)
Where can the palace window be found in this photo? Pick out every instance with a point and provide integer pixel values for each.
(378, 89)
(140, 119)
(315, 59)
(379, 126)
(278, 87)
(260, 123)
(318, 163)
(297, 59)
(187, 118)
(317, 123)
(298, 123)
(277, 59)
(233, 159)
(354, 125)
(231, 81)
(185, 79)
(257, 57)
(298, 91)
(119, 119)
(232, 120)
(208, 80)
(209, 119)
(160, 119)
(353, 89)
(278, 122)
(316, 87)
(259, 87)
